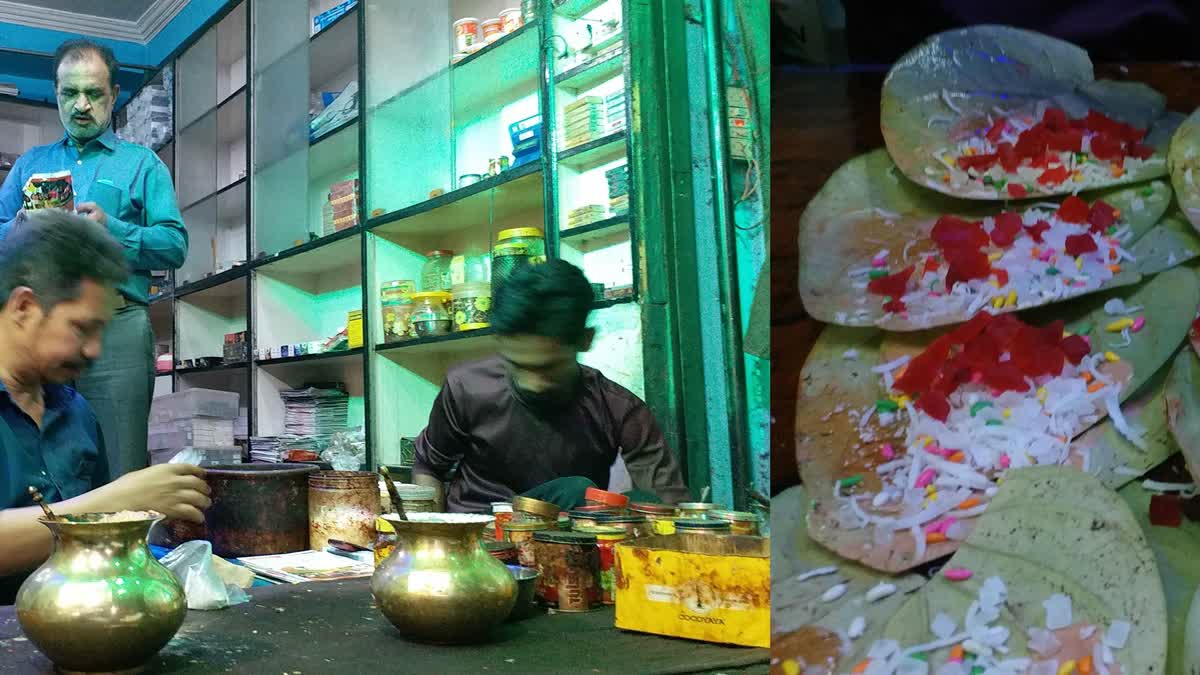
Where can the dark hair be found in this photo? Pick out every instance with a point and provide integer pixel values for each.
(75, 49)
(52, 251)
(552, 299)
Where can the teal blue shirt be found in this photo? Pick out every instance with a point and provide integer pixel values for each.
(133, 187)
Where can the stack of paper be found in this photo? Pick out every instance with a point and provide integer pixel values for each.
(615, 110)
(585, 214)
(583, 121)
(618, 189)
(315, 412)
(302, 566)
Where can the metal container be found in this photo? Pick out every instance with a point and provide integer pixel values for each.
(521, 534)
(505, 552)
(569, 563)
(257, 509)
(597, 497)
(101, 602)
(527, 579)
(417, 498)
(342, 505)
(635, 526)
(607, 539)
(696, 509)
(440, 585)
(741, 522)
(535, 509)
(703, 527)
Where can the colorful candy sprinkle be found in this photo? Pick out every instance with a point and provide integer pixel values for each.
(884, 405)
(926, 478)
(967, 503)
(957, 653)
(979, 405)
(957, 574)
(851, 481)
(1119, 325)
(1004, 461)
(1067, 668)
(887, 451)
(1138, 323)
(1111, 357)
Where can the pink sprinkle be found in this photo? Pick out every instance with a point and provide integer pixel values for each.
(940, 526)
(1004, 461)
(1138, 323)
(1046, 255)
(926, 478)
(1088, 340)
(956, 573)
(996, 393)
(976, 377)
(879, 262)
(888, 452)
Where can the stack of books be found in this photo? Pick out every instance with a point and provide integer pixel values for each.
(615, 108)
(618, 189)
(583, 121)
(585, 214)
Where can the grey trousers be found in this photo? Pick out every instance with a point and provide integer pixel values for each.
(120, 385)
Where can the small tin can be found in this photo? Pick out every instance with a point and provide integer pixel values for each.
(696, 509)
(635, 526)
(705, 527)
(741, 522)
(569, 563)
(503, 511)
(342, 505)
(607, 539)
(521, 534)
(526, 508)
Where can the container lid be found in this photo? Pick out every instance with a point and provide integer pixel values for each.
(499, 546)
(400, 283)
(739, 516)
(560, 537)
(617, 518)
(605, 532)
(490, 22)
(592, 509)
(525, 526)
(703, 525)
(510, 248)
(432, 295)
(605, 497)
(441, 252)
(697, 506)
(472, 286)
(467, 20)
(520, 232)
(473, 326)
(409, 491)
(502, 507)
(536, 507)
(653, 509)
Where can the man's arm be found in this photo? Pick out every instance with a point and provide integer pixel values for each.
(440, 446)
(11, 197)
(650, 462)
(176, 490)
(163, 242)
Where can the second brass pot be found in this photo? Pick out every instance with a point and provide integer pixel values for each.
(440, 585)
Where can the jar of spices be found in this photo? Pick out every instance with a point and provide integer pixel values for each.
(740, 522)
(435, 275)
(514, 249)
(530, 509)
(695, 509)
(472, 306)
(521, 535)
(569, 563)
(597, 497)
(430, 316)
(607, 539)
(503, 512)
(635, 526)
(396, 305)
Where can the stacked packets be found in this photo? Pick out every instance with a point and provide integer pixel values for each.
(585, 214)
(583, 121)
(618, 189)
(615, 107)
(311, 417)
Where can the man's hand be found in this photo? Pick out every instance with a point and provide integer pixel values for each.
(176, 490)
(92, 211)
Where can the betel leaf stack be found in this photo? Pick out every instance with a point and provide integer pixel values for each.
(1008, 288)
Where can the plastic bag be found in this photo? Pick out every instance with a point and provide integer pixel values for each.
(188, 456)
(192, 563)
(347, 450)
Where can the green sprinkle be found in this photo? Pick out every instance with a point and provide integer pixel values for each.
(1146, 192)
(1112, 230)
(1084, 329)
(851, 481)
(1000, 183)
(920, 656)
(995, 423)
(987, 180)
(884, 405)
(877, 273)
(1052, 271)
(975, 408)
(1082, 157)
(976, 670)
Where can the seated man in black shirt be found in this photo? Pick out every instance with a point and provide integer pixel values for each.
(57, 277)
(532, 421)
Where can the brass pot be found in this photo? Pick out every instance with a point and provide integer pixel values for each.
(101, 602)
(439, 585)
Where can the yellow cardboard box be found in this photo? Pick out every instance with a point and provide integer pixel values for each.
(701, 587)
(354, 329)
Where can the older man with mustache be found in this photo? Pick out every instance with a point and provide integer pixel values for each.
(126, 189)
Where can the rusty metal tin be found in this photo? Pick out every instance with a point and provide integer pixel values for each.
(741, 522)
(257, 509)
(521, 534)
(569, 563)
(635, 526)
(536, 508)
(342, 505)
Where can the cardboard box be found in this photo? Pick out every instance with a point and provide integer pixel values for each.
(700, 587)
(354, 328)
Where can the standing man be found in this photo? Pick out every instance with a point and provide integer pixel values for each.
(531, 420)
(127, 189)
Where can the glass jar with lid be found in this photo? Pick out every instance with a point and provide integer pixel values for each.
(515, 248)
(435, 274)
(430, 315)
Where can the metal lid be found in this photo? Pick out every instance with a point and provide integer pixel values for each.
(499, 546)
(618, 518)
(536, 506)
(653, 509)
(524, 526)
(432, 295)
(605, 497)
(703, 525)
(696, 506)
(738, 516)
(441, 252)
(520, 232)
(560, 537)
(603, 531)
